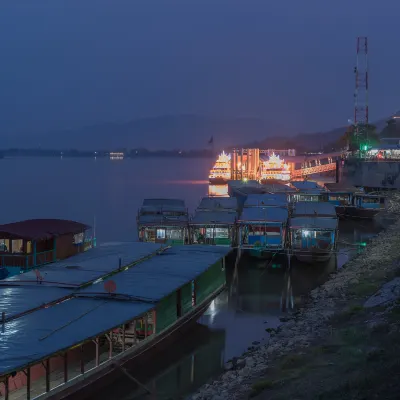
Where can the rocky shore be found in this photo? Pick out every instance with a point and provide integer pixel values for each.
(328, 305)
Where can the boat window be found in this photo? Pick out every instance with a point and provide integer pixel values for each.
(17, 246)
(28, 247)
(370, 200)
(217, 233)
(174, 234)
(78, 238)
(160, 233)
(4, 245)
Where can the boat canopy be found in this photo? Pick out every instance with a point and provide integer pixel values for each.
(160, 220)
(164, 202)
(21, 293)
(265, 200)
(305, 185)
(313, 223)
(214, 218)
(314, 208)
(218, 204)
(41, 229)
(40, 334)
(263, 215)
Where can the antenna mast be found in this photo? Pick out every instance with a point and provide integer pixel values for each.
(361, 91)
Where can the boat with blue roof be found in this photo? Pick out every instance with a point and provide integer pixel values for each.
(353, 202)
(313, 231)
(263, 230)
(81, 321)
(163, 221)
(214, 222)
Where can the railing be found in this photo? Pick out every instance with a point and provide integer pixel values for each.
(26, 261)
(313, 170)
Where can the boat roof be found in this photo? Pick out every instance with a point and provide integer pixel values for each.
(341, 188)
(276, 187)
(42, 229)
(313, 223)
(214, 218)
(218, 203)
(259, 214)
(311, 208)
(33, 337)
(163, 220)
(267, 199)
(163, 202)
(21, 293)
(305, 185)
(311, 192)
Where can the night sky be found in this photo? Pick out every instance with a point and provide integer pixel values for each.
(67, 64)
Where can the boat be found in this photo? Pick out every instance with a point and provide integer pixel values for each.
(262, 230)
(266, 200)
(66, 339)
(117, 156)
(32, 243)
(274, 169)
(163, 221)
(221, 172)
(214, 222)
(352, 202)
(313, 231)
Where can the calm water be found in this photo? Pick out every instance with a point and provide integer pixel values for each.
(111, 192)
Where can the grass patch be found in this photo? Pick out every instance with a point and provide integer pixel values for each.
(347, 314)
(364, 289)
(292, 361)
(260, 386)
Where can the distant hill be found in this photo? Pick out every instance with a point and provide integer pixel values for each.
(183, 132)
(165, 132)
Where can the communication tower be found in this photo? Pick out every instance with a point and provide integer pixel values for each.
(361, 92)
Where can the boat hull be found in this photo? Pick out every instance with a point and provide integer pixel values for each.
(217, 181)
(106, 374)
(356, 212)
(311, 257)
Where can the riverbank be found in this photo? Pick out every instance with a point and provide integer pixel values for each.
(334, 347)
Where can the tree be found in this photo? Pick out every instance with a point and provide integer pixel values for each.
(359, 139)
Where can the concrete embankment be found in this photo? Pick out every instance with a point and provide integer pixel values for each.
(340, 328)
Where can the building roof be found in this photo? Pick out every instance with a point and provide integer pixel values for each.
(265, 200)
(263, 215)
(214, 218)
(312, 208)
(38, 335)
(305, 185)
(42, 229)
(21, 293)
(218, 203)
(313, 223)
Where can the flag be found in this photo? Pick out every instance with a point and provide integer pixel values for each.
(211, 141)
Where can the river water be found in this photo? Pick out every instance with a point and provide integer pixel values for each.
(110, 193)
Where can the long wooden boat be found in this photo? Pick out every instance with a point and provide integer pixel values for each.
(68, 332)
(313, 231)
(352, 202)
(162, 221)
(262, 231)
(32, 243)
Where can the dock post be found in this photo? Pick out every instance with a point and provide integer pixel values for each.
(65, 367)
(47, 367)
(34, 254)
(6, 389)
(28, 384)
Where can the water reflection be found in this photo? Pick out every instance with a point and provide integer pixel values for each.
(218, 190)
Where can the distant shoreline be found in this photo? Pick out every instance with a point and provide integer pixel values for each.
(26, 153)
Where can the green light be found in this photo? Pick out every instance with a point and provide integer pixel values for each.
(364, 147)
(363, 244)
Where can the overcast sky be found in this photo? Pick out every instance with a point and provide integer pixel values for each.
(77, 62)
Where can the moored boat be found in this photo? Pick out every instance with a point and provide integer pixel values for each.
(262, 231)
(163, 221)
(29, 244)
(313, 231)
(221, 172)
(351, 202)
(86, 338)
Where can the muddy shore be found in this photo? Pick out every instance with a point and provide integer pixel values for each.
(340, 328)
